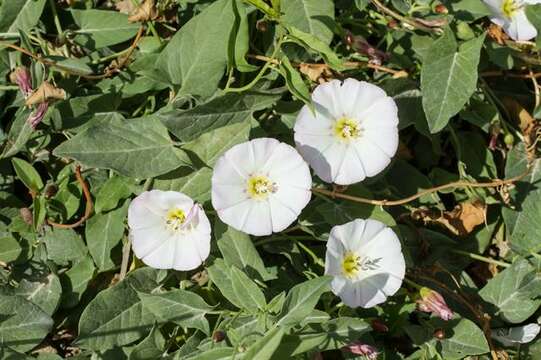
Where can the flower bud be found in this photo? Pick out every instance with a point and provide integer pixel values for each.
(509, 139)
(379, 326)
(432, 302)
(27, 216)
(439, 334)
(21, 77)
(392, 24)
(358, 348)
(35, 118)
(218, 336)
(441, 9)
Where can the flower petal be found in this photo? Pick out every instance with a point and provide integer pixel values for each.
(373, 159)
(358, 96)
(326, 99)
(382, 113)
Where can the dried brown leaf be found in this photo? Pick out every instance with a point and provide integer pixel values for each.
(144, 12)
(496, 33)
(316, 72)
(125, 6)
(462, 220)
(45, 93)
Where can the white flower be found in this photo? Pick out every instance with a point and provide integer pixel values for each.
(516, 335)
(168, 231)
(352, 134)
(260, 186)
(365, 258)
(510, 15)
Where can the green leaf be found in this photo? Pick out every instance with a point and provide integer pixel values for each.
(238, 249)
(20, 15)
(522, 223)
(329, 335)
(466, 339)
(116, 317)
(75, 281)
(225, 110)
(180, 307)
(265, 346)
(42, 289)
(27, 174)
(312, 42)
(448, 78)
(294, 81)
(100, 28)
(19, 133)
(195, 184)
(514, 292)
(22, 324)
(112, 192)
(211, 145)
(197, 55)
(39, 211)
(315, 17)
(246, 291)
(239, 39)
(476, 155)
(533, 12)
(139, 148)
(220, 275)
(151, 347)
(103, 232)
(12, 250)
(64, 246)
(224, 353)
(302, 299)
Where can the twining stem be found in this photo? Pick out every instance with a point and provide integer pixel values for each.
(350, 64)
(125, 259)
(88, 208)
(277, 238)
(412, 283)
(51, 63)
(270, 61)
(481, 258)
(403, 19)
(55, 16)
(455, 184)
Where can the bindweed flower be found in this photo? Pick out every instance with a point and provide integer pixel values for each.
(365, 258)
(168, 230)
(358, 348)
(260, 186)
(21, 76)
(510, 15)
(432, 302)
(516, 335)
(351, 134)
(39, 113)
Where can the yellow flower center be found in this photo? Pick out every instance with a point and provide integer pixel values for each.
(510, 7)
(259, 187)
(175, 218)
(351, 264)
(347, 129)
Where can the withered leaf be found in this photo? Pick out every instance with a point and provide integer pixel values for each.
(316, 72)
(144, 12)
(462, 220)
(45, 92)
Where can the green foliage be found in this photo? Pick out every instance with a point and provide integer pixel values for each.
(152, 104)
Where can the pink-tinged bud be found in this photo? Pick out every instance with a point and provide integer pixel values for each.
(432, 302)
(21, 76)
(35, 118)
(358, 348)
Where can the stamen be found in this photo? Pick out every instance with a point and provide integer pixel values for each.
(260, 187)
(347, 129)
